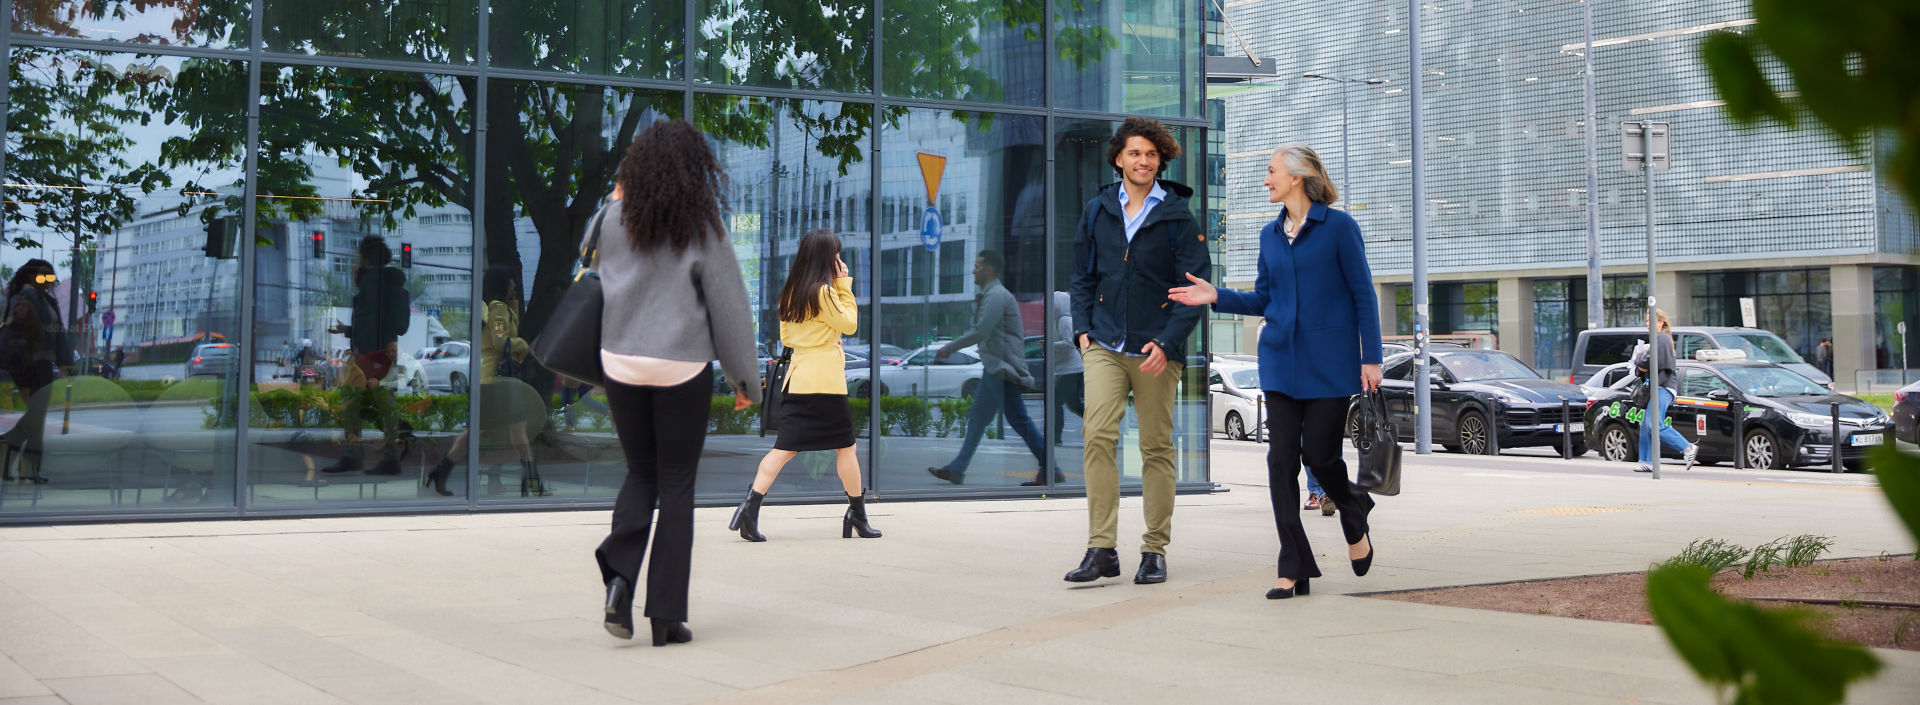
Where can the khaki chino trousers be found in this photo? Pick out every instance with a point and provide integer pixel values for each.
(1110, 377)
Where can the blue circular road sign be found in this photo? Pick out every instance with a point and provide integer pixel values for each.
(930, 228)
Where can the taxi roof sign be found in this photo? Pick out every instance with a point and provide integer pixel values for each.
(1719, 354)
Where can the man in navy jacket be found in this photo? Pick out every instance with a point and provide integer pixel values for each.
(1136, 240)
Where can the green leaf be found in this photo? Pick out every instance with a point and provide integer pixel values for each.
(1899, 475)
(1736, 75)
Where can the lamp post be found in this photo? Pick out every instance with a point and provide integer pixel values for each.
(1346, 166)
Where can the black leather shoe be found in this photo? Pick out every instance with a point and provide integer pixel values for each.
(1361, 566)
(948, 475)
(670, 632)
(1300, 587)
(1040, 479)
(346, 464)
(1098, 563)
(1153, 569)
(619, 608)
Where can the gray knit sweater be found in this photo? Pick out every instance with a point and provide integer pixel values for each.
(689, 306)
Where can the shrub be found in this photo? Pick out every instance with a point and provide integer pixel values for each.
(1714, 555)
(1805, 549)
(723, 420)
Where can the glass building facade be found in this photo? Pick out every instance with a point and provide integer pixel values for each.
(200, 175)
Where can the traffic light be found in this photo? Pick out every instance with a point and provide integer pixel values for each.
(93, 301)
(319, 244)
(221, 237)
(406, 254)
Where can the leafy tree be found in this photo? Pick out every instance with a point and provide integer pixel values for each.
(1853, 64)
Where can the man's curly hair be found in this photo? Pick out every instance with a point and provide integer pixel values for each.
(673, 188)
(1143, 127)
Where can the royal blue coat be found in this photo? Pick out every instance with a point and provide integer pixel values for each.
(1323, 320)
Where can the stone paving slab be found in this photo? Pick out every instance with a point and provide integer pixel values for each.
(961, 603)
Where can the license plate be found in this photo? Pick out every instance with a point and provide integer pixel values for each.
(1866, 439)
(1577, 428)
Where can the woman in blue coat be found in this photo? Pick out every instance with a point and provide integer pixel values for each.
(1321, 346)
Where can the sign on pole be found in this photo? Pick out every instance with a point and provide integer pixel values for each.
(1748, 317)
(1633, 149)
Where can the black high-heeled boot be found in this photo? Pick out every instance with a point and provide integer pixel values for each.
(530, 484)
(437, 478)
(670, 632)
(746, 518)
(856, 519)
(619, 621)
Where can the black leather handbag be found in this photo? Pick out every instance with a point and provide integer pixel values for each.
(1379, 446)
(570, 343)
(773, 390)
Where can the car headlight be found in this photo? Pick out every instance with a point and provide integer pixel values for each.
(1509, 397)
(1810, 420)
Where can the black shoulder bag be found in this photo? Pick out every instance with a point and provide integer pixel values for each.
(570, 342)
(773, 390)
(1379, 446)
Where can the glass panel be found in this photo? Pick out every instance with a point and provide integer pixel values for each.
(781, 156)
(549, 171)
(212, 24)
(976, 379)
(802, 44)
(344, 190)
(635, 38)
(1081, 172)
(110, 282)
(443, 31)
(988, 51)
(1140, 57)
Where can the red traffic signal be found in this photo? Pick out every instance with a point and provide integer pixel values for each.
(406, 254)
(319, 244)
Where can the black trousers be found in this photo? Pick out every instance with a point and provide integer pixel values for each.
(1309, 429)
(662, 430)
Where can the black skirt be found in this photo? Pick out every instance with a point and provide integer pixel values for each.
(814, 422)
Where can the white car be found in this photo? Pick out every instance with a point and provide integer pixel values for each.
(923, 374)
(449, 367)
(1234, 400)
(407, 376)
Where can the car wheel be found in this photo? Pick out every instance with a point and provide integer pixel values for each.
(1617, 444)
(863, 391)
(1236, 429)
(1353, 426)
(458, 382)
(966, 390)
(1473, 433)
(1763, 450)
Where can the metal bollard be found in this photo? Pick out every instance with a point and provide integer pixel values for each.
(1493, 431)
(1839, 465)
(1566, 430)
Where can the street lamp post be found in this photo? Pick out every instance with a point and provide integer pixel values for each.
(1346, 166)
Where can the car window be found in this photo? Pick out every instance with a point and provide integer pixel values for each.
(1247, 379)
(1213, 378)
(1613, 375)
(959, 358)
(1699, 383)
(924, 357)
(1486, 365)
(1761, 346)
(1036, 347)
(1402, 370)
(1691, 343)
(1609, 348)
(1770, 381)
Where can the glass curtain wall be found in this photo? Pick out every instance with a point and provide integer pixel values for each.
(287, 257)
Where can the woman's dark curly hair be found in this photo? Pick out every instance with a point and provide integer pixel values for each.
(1143, 127)
(673, 187)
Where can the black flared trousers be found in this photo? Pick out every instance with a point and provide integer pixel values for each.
(1310, 430)
(662, 430)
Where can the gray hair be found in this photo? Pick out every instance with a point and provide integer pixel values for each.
(1303, 162)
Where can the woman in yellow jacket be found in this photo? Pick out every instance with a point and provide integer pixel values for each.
(816, 308)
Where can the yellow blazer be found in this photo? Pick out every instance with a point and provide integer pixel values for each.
(819, 365)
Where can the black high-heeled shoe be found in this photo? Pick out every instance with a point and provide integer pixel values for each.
(746, 517)
(619, 620)
(670, 632)
(437, 479)
(856, 520)
(1300, 587)
(1361, 565)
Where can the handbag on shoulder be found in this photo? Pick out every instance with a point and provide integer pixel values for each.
(1379, 446)
(773, 390)
(570, 343)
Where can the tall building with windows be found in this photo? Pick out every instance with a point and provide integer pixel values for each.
(1808, 229)
(486, 134)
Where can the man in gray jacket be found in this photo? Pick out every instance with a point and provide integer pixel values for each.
(1003, 368)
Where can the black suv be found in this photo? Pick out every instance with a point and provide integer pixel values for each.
(1773, 415)
(1475, 391)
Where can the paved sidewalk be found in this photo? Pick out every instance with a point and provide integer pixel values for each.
(961, 603)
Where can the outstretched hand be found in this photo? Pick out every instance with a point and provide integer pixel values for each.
(740, 401)
(1200, 293)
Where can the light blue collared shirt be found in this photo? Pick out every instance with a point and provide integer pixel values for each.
(1133, 224)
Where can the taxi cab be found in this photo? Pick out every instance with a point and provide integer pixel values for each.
(1728, 405)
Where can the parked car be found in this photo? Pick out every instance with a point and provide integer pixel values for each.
(1906, 407)
(1597, 348)
(1477, 393)
(922, 373)
(449, 366)
(1234, 400)
(889, 354)
(407, 376)
(212, 359)
(1774, 416)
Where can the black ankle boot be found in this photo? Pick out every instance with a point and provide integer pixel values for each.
(530, 485)
(670, 632)
(856, 520)
(746, 519)
(619, 620)
(437, 479)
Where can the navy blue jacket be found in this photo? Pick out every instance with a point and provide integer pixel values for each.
(1119, 288)
(1323, 321)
